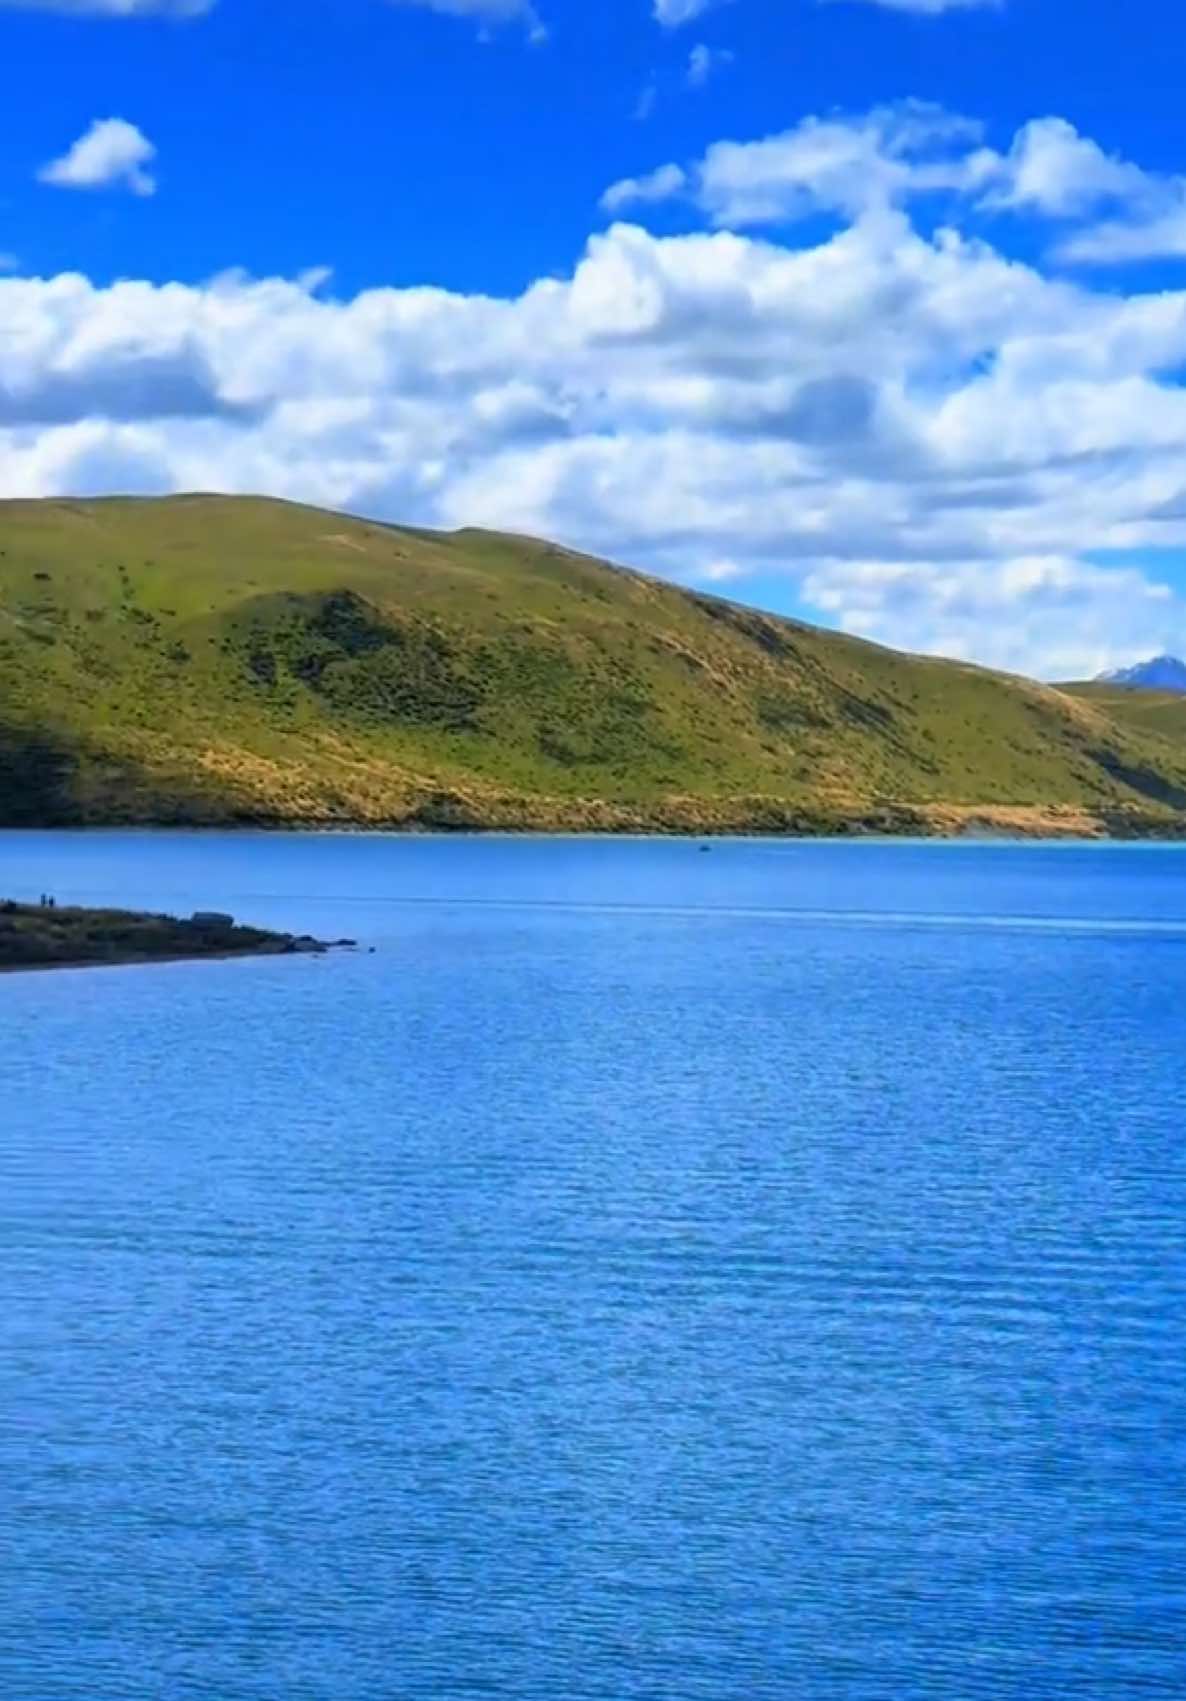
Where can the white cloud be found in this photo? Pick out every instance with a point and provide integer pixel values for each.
(115, 8)
(894, 155)
(112, 153)
(1139, 215)
(703, 61)
(644, 106)
(839, 164)
(718, 572)
(658, 185)
(486, 13)
(1051, 614)
(672, 14)
(1116, 241)
(1052, 169)
(932, 8)
(935, 442)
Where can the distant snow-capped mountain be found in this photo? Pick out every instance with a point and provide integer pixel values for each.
(1160, 673)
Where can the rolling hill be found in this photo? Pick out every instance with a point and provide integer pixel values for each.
(1144, 710)
(207, 660)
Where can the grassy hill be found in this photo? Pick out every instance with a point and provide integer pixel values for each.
(210, 659)
(1162, 712)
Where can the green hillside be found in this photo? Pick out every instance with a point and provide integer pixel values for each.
(212, 659)
(1162, 712)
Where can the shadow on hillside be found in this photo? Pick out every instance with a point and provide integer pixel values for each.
(47, 780)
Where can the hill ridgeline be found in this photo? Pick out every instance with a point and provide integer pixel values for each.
(1159, 673)
(214, 660)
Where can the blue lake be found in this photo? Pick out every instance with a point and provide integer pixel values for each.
(649, 1276)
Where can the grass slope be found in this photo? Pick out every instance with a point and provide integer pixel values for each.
(1160, 712)
(211, 659)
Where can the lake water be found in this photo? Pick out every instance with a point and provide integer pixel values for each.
(650, 1276)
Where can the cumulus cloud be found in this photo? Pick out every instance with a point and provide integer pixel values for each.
(644, 106)
(839, 164)
(935, 442)
(1138, 215)
(1116, 241)
(932, 8)
(1029, 614)
(718, 573)
(704, 61)
(672, 14)
(112, 154)
(1052, 169)
(658, 185)
(898, 154)
(1131, 214)
(486, 13)
(115, 8)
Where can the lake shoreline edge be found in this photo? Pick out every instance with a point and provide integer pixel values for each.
(43, 936)
(923, 823)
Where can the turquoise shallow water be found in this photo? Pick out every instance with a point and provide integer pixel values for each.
(650, 1276)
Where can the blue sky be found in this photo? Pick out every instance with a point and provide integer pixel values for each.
(868, 310)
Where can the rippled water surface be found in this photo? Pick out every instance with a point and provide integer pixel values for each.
(650, 1276)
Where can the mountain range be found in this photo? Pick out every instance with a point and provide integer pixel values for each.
(1159, 673)
(209, 659)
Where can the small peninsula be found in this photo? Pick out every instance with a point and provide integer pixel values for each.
(47, 935)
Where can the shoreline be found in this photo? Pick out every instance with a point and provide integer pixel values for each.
(979, 828)
(144, 962)
(46, 935)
